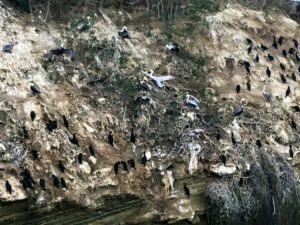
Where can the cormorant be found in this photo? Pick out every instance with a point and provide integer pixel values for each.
(32, 115)
(223, 159)
(263, 47)
(124, 33)
(249, 41)
(116, 167)
(51, 125)
(35, 89)
(287, 92)
(282, 66)
(27, 180)
(63, 183)
(283, 79)
(110, 139)
(291, 152)
(238, 88)
(295, 43)
(280, 40)
(66, 123)
(294, 125)
(258, 143)
(247, 64)
(74, 140)
(55, 181)
(131, 163)
(292, 51)
(124, 165)
(61, 166)
(238, 110)
(133, 137)
(249, 49)
(268, 71)
(92, 151)
(257, 58)
(270, 57)
(8, 187)
(35, 154)
(144, 159)
(186, 190)
(218, 136)
(294, 76)
(232, 138)
(25, 133)
(80, 158)
(248, 86)
(284, 53)
(275, 43)
(43, 184)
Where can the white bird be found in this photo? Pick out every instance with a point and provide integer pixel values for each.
(192, 101)
(159, 80)
(267, 95)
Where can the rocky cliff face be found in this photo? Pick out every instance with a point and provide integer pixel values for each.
(104, 90)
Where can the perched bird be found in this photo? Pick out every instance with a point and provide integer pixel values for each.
(25, 132)
(275, 43)
(238, 88)
(92, 151)
(63, 183)
(280, 40)
(270, 57)
(192, 101)
(146, 156)
(223, 159)
(297, 57)
(249, 49)
(74, 140)
(123, 163)
(110, 139)
(32, 115)
(291, 152)
(186, 190)
(61, 51)
(116, 167)
(293, 124)
(282, 66)
(248, 86)
(133, 137)
(267, 95)
(268, 71)
(8, 187)
(35, 154)
(258, 143)
(238, 110)
(66, 123)
(172, 47)
(124, 33)
(263, 47)
(8, 47)
(247, 64)
(283, 79)
(51, 125)
(131, 163)
(249, 41)
(55, 181)
(257, 58)
(80, 158)
(218, 136)
(295, 43)
(35, 89)
(287, 92)
(27, 180)
(233, 138)
(43, 184)
(61, 166)
(284, 53)
(296, 108)
(294, 76)
(159, 80)
(292, 51)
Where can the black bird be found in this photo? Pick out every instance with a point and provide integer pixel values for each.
(8, 187)
(218, 136)
(51, 125)
(292, 51)
(27, 180)
(294, 76)
(294, 125)
(26, 184)
(248, 70)
(258, 143)
(74, 140)
(55, 181)
(284, 53)
(110, 139)
(296, 108)
(61, 166)
(124, 33)
(116, 167)
(124, 165)
(35, 89)
(232, 138)
(238, 88)
(249, 41)
(275, 43)
(270, 57)
(35, 154)
(241, 181)
(63, 183)
(280, 40)
(248, 86)
(249, 49)
(80, 158)
(263, 47)
(268, 71)
(223, 159)
(238, 110)
(295, 43)
(92, 151)
(8, 47)
(257, 58)
(43, 184)
(144, 159)
(131, 163)
(247, 64)
(282, 66)
(133, 137)
(32, 115)
(61, 51)
(283, 79)
(288, 91)
(186, 190)
(25, 132)
(66, 123)
(297, 56)
(291, 152)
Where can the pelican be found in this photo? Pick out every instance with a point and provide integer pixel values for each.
(159, 80)
(267, 95)
(192, 101)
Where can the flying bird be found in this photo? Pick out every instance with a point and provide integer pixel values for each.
(159, 80)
